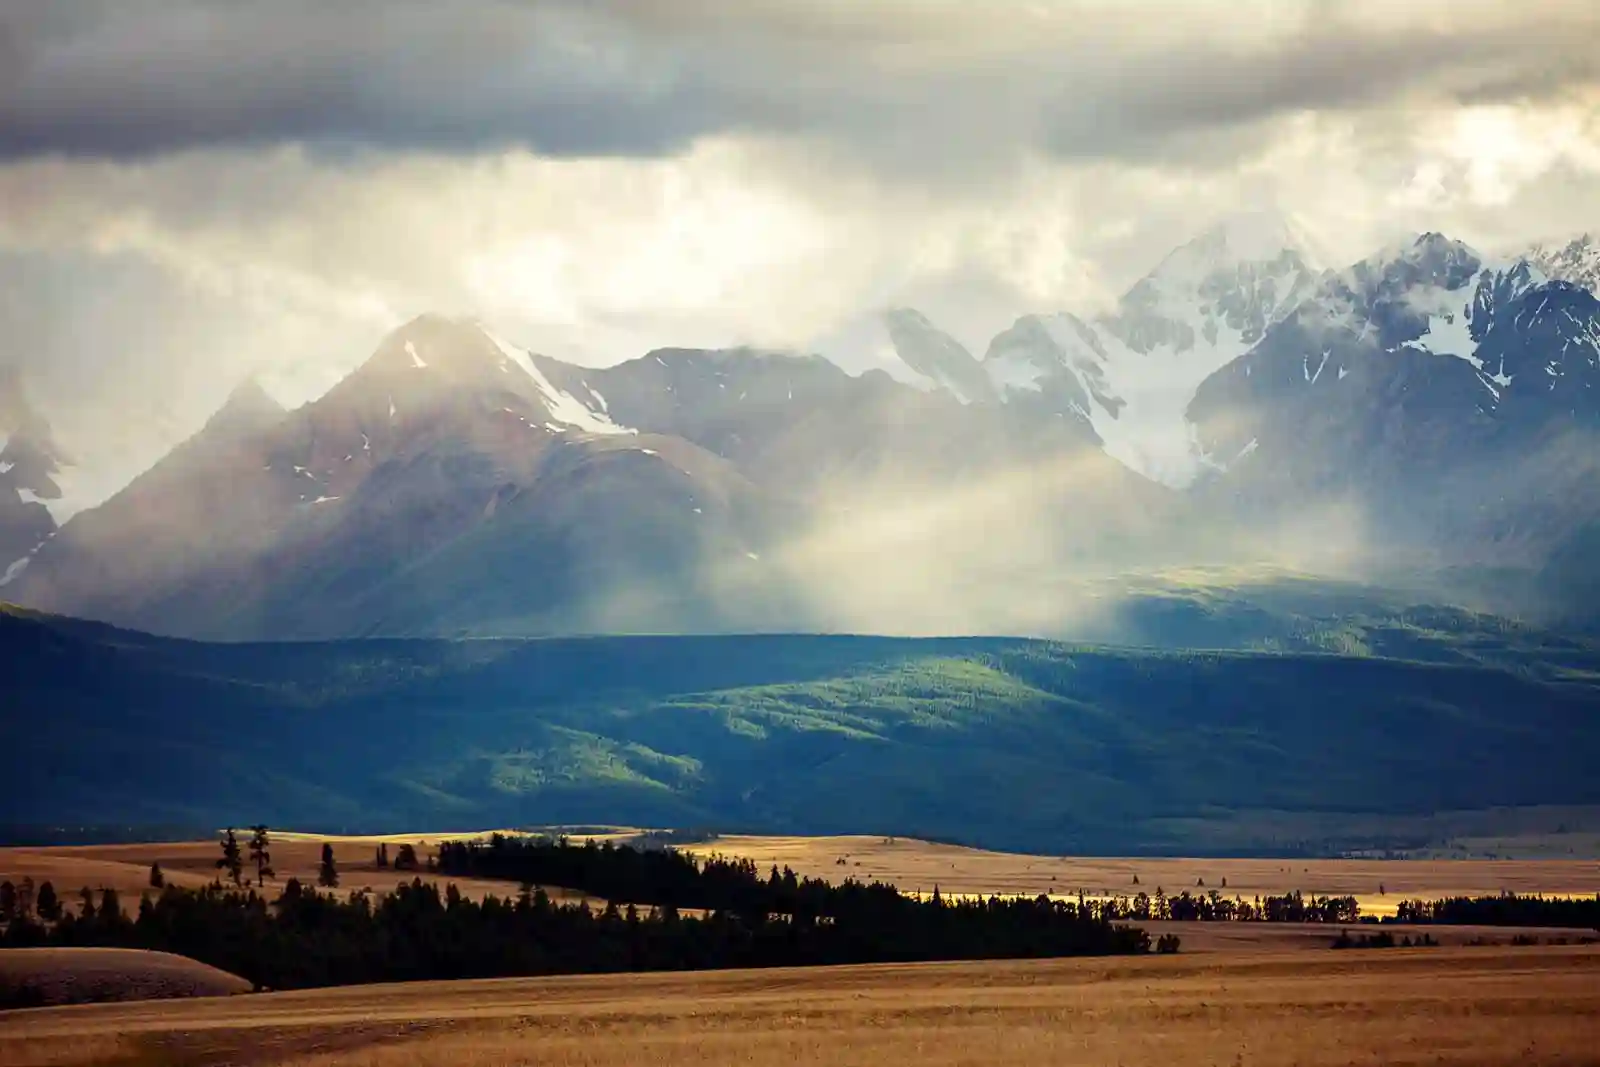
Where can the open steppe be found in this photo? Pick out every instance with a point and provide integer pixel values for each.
(126, 867)
(912, 865)
(1379, 885)
(1454, 1006)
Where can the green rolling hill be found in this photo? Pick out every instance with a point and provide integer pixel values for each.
(1006, 743)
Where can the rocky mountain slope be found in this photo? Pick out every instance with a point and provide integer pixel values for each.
(1435, 405)
(1449, 398)
(457, 484)
(1577, 261)
(447, 478)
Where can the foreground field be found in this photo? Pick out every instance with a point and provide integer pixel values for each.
(1453, 1006)
(1379, 885)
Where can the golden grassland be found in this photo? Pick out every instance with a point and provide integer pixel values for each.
(1424, 1006)
(126, 868)
(75, 975)
(912, 865)
(920, 866)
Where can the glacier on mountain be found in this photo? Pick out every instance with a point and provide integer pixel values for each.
(1131, 374)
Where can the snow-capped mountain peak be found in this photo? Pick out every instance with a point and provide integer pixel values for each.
(1577, 261)
(435, 359)
(1430, 294)
(1133, 373)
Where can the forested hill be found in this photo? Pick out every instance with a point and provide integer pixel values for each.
(1000, 742)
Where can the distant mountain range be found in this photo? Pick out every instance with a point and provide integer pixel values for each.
(1430, 405)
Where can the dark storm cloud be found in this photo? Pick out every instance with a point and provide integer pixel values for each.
(1326, 66)
(901, 78)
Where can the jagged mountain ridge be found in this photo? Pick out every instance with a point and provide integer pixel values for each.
(1448, 397)
(302, 523)
(455, 483)
(1128, 376)
(1577, 261)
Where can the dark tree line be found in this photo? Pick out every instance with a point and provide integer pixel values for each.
(305, 938)
(1508, 909)
(669, 911)
(664, 876)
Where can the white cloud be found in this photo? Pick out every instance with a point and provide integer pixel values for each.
(769, 172)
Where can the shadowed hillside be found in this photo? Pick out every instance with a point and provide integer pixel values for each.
(1003, 742)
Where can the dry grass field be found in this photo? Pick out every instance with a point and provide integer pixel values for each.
(910, 864)
(126, 868)
(1240, 993)
(76, 975)
(1452, 1006)
(918, 865)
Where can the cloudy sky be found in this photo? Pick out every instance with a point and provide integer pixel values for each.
(194, 191)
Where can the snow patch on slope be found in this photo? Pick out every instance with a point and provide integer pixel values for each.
(563, 406)
(14, 571)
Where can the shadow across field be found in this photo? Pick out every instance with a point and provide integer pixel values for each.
(1455, 1006)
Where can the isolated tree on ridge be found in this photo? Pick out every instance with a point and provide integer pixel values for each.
(260, 853)
(157, 879)
(328, 873)
(231, 860)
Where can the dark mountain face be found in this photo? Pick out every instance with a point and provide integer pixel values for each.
(1451, 401)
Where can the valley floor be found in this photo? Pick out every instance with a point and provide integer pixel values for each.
(1379, 885)
(1443, 1005)
(912, 865)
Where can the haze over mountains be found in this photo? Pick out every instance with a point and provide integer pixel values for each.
(1429, 410)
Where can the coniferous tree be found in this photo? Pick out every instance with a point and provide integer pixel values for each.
(48, 905)
(25, 899)
(383, 855)
(8, 901)
(231, 860)
(110, 907)
(261, 854)
(328, 873)
(157, 879)
(86, 910)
